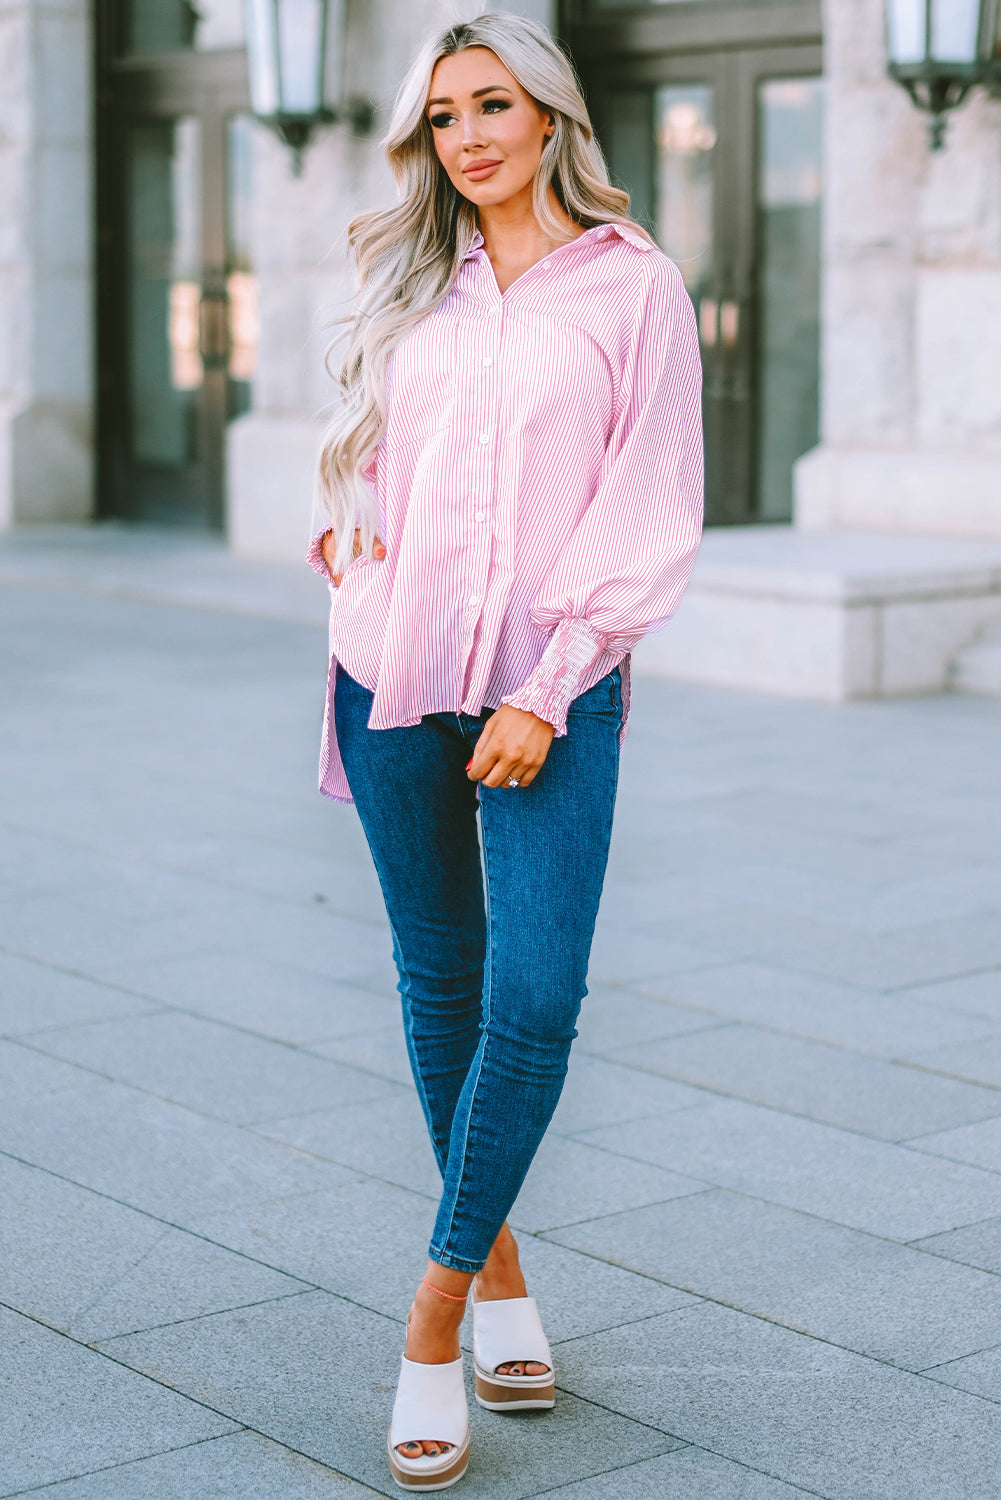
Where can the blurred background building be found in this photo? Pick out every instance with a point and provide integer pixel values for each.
(168, 284)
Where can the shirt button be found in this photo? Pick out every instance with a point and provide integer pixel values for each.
(488, 359)
(484, 437)
(474, 599)
(480, 515)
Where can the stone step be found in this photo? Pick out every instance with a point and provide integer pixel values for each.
(828, 615)
(977, 668)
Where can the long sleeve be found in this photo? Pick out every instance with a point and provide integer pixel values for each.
(626, 566)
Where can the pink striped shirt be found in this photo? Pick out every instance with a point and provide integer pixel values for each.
(540, 487)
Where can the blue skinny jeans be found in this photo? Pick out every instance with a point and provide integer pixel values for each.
(492, 956)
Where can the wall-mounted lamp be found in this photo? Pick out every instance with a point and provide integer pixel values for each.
(938, 49)
(295, 56)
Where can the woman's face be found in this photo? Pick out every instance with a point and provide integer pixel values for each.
(488, 133)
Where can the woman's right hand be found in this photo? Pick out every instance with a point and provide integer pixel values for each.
(329, 549)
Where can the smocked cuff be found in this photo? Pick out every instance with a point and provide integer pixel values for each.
(557, 680)
(315, 557)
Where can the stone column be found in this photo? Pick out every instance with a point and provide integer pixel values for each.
(304, 278)
(911, 363)
(45, 262)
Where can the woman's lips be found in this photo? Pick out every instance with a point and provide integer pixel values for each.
(478, 170)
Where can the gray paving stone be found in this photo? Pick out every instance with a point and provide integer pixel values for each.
(388, 1140)
(639, 904)
(822, 1082)
(34, 995)
(832, 1422)
(367, 1241)
(216, 1069)
(865, 1184)
(980, 1374)
(978, 994)
(89, 1266)
(156, 1156)
(975, 1245)
(64, 932)
(284, 933)
(580, 1294)
(853, 1289)
(567, 1181)
(27, 1074)
(340, 872)
(686, 1474)
(242, 1466)
(612, 1018)
(31, 863)
(865, 904)
(284, 1373)
(280, 1001)
(937, 950)
(379, 1050)
(894, 1026)
(598, 1092)
(978, 1144)
(69, 1409)
(978, 1061)
(616, 962)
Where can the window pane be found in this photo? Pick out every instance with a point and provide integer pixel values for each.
(241, 282)
(789, 192)
(164, 288)
(686, 142)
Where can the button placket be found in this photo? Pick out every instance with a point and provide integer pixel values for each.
(489, 403)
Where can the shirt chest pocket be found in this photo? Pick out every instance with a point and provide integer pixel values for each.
(422, 381)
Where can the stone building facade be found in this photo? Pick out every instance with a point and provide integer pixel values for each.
(865, 560)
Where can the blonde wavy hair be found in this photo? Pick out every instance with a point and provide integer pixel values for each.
(408, 257)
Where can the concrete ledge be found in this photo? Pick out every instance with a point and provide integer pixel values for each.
(46, 462)
(945, 492)
(977, 669)
(828, 615)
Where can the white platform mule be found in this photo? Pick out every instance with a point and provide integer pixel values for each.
(504, 1332)
(430, 1404)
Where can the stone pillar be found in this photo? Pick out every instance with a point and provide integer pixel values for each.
(304, 279)
(45, 262)
(911, 362)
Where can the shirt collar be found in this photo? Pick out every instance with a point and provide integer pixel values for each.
(627, 232)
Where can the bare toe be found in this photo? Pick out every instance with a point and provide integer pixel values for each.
(429, 1447)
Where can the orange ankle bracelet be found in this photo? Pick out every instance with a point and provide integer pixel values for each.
(450, 1295)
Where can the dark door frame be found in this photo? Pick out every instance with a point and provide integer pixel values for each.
(210, 85)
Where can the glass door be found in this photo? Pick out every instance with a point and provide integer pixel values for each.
(787, 285)
(177, 297)
(721, 154)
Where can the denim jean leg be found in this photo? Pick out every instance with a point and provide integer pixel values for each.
(545, 852)
(418, 812)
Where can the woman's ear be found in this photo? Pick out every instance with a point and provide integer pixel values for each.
(550, 128)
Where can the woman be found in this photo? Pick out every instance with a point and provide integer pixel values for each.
(514, 481)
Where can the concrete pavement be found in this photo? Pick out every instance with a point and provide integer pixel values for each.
(765, 1228)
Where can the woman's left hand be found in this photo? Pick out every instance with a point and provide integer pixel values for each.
(514, 745)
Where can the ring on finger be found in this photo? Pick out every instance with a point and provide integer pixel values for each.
(511, 781)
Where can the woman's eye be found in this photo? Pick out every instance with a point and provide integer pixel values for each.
(438, 122)
(497, 104)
